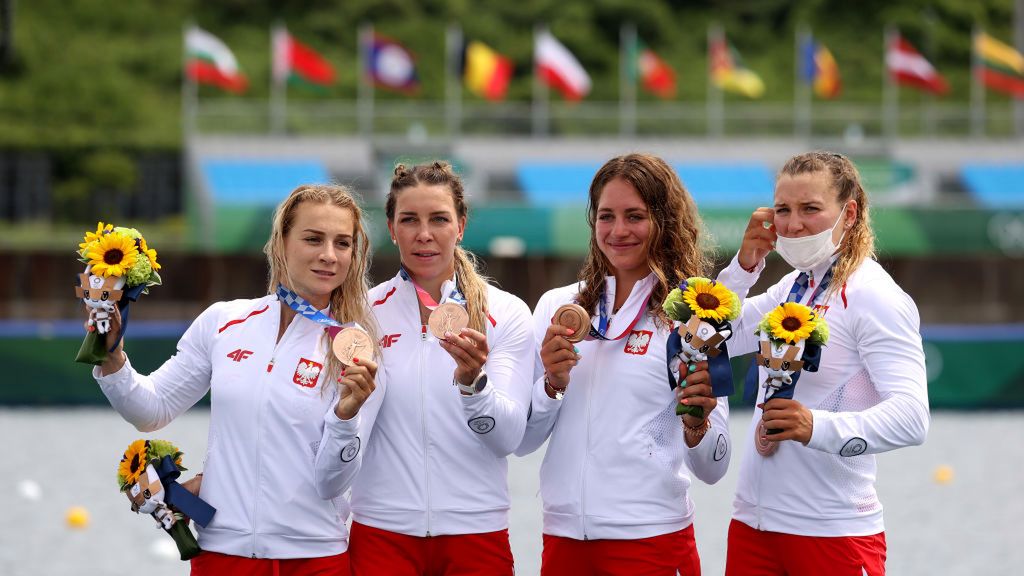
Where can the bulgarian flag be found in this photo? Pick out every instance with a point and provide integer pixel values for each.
(1001, 67)
(296, 63)
(210, 61)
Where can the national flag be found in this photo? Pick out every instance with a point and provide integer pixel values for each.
(210, 61)
(391, 65)
(656, 76)
(820, 69)
(558, 68)
(729, 73)
(906, 65)
(296, 63)
(485, 72)
(1002, 67)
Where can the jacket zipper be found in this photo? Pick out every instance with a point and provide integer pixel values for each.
(259, 428)
(423, 418)
(586, 451)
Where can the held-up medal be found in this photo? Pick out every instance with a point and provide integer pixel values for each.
(447, 318)
(352, 343)
(575, 318)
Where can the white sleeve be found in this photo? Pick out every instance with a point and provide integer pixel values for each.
(340, 453)
(888, 339)
(497, 415)
(709, 459)
(151, 402)
(735, 278)
(543, 409)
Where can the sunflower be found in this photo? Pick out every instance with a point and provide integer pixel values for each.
(709, 299)
(112, 255)
(792, 322)
(149, 252)
(90, 237)
(133, 463)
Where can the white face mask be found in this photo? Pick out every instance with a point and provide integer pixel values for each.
(808, 251)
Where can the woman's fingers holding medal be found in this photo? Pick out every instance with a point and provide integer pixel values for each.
(794, 420)
(469, 349)
(696, 390)
(558, 355)
(357, 383)
(758, 238)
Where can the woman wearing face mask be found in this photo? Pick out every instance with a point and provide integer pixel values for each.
(805, 499)
(271, 378)
(432, 494)
(619, 460)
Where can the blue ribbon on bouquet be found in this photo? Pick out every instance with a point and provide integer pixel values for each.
(176, 495)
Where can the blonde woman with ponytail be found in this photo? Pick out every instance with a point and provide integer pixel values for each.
(805, 501)
(432, 495)
(275, 387)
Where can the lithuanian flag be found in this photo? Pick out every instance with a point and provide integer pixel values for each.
(1001, 67)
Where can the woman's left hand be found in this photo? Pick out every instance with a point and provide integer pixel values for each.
(469, 349)
(697, 392)
(790, 416)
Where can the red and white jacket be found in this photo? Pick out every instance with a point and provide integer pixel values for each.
(869, 395)
(266, 420)
(617, 465)
(433, 462)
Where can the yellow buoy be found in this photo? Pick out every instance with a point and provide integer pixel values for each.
(77, 517)
(943, 474)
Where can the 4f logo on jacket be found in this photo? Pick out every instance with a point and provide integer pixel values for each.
(389, 339)
(638, 341)
(307, 372)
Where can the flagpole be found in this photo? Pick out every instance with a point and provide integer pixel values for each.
(715, 103)
(802, 88)
(364, 104)
(278, 77)
(928, 109)
(627, 79)
(189, 107)
(977, 88)
(890, 91)
(453, 85)
(540, 91)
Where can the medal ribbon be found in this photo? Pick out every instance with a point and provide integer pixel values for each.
(303, 308)
(603, 321)
(427, 300)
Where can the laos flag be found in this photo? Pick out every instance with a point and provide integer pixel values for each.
(390, 65)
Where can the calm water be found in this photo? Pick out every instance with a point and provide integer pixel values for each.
(970, 525)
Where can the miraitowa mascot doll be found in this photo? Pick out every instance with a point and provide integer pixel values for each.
(148, 474)
(705, 309)
(120, 267)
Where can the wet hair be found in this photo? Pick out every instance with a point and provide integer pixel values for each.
(859, 240)
(470, 282)
(675, 248)
(348, 302)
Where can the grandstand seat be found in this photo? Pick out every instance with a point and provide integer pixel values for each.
(258, 181)
(995, 185)
(735, 185)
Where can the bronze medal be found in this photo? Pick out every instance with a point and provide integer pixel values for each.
(575, 318)
(352, 343)
(448, 317)
(764, 447)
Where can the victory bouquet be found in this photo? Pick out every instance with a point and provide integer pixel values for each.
(148, 474)
(791, 339)
(119, 267)
(705, 309)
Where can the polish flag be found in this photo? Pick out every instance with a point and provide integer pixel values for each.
(907, 66)
(558, 68)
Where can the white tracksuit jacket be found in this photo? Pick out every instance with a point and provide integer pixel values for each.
(435, 463)
(266, 420)
(617, 465)
(869, 395)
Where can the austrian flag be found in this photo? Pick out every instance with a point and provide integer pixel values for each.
(907, 66)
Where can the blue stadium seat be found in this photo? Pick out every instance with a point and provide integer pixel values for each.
(736, 185)
(257, 181)
(995, 185)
